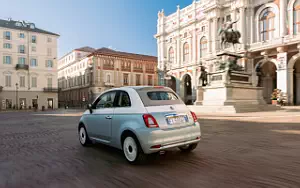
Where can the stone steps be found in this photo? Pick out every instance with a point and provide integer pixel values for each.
(233, 109)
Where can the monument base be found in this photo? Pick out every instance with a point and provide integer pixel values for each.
(231, 98)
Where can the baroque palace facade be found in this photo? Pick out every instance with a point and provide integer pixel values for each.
(85, 72)
(270, 38)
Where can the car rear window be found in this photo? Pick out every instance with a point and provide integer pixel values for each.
(158, 97)
(161, 95)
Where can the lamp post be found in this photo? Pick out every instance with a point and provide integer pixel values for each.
(17, 95)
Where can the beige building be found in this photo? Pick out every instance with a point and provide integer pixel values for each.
(86, 77)
(28, 76)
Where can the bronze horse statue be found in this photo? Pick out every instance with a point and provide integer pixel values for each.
(228, 35)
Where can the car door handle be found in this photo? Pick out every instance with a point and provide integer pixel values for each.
(108, 117)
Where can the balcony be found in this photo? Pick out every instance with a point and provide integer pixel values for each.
(266, 44)
(22, 66)
(51, 90)
(127, 69)
(108, 67)
(150, 71)
(135, 69)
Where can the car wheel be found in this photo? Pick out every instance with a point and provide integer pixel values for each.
(83, 136)
(188, 148)
(133, 151)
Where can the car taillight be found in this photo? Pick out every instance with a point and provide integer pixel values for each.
(150, 121)
(194, 116)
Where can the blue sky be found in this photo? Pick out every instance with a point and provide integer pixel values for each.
(124, 25)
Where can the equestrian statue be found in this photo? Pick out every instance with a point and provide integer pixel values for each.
(228, 35)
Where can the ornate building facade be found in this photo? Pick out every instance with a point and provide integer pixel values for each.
(270, 38)
(84, 78)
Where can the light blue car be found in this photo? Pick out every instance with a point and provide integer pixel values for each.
(140, 120)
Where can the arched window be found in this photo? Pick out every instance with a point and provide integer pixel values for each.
(203, 47)
(171, 55)
(296, 19)
(267, 24)
(186, 51)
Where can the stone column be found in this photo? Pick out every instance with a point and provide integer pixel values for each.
(209, 36)
(214, 35)
(178, 54)
(191, 50)
(194, 46)
(297, 88)
(243, 27)
(283, 14)
(251, 25)
(158, 53)
(290, 86)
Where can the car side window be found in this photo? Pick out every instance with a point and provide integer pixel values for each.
(106, 100)
(123, 100)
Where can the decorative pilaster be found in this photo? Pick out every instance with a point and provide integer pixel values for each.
(283, 15)
(243, 27)
(209, 36)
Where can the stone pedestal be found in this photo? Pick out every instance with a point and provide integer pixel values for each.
(231, 92)
(199, 97)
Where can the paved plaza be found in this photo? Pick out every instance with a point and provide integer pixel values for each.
(243, 150)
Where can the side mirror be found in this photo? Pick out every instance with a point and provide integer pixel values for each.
(89, 106)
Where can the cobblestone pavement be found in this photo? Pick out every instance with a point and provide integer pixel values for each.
(246, 150)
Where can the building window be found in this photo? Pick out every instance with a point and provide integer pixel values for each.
(138, 79)
(49, 39)
(21, 60)
(296, 17)
(7, 45)
(186, 51)
(108, 78)
(22, 35)
(125, 79)
(33, 49)
(150, 83)
(267, 24)
(49, 63)
(7, 35)
(49, 82)
(33, 82)
(171, 55)
(203, 47)
(33, 39)
(6, 59)
(49, 51)
(203, 28)
(22, 81)
(170, 40)
(22, 49)
(8, 80)
(33, 62)
(185, 34)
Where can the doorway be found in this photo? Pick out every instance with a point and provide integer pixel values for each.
(296, 82)
(187, 87)
(50, 103)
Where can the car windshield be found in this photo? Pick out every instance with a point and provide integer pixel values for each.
(158, 97)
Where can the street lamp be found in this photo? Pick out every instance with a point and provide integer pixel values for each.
(17, 95)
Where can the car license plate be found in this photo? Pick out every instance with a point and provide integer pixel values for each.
(177, 119)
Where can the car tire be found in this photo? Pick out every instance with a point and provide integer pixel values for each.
(83, 136)
(188, 148)
(133, 151)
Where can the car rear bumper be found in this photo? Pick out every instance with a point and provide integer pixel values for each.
(154, 140)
